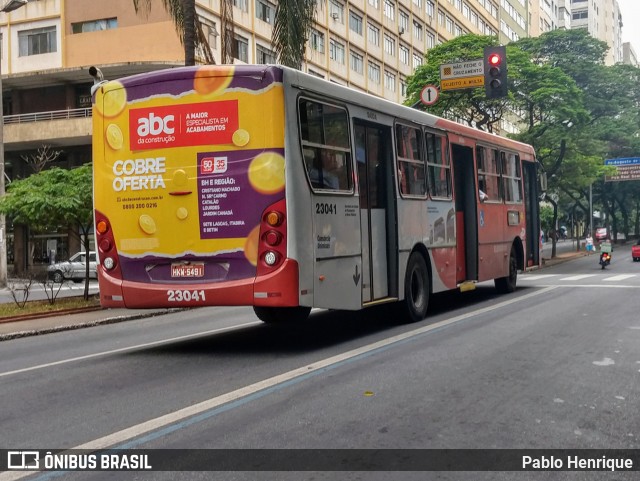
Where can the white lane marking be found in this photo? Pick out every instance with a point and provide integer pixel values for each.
(578, 277)
(620, 277)
(535, 277)
(131, 348)
(201, 407)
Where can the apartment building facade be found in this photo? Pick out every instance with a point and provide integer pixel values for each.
(603, 20)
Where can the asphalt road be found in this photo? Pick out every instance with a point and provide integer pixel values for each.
(554, 365)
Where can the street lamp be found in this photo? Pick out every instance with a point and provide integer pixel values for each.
(9, 6)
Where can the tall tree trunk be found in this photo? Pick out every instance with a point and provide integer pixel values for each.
(189, 8)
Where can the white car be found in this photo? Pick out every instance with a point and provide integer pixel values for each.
(74, 268)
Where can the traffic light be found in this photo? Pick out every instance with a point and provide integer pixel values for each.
(495, 72)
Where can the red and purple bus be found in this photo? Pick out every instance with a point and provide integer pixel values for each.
(260, 185)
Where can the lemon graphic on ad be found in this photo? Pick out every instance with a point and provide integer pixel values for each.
(251, 245)
(240, 138)
(266, 173)
(147, 224)
(114, 99)
(114, 136)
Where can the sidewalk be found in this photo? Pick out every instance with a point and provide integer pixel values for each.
(65, 322)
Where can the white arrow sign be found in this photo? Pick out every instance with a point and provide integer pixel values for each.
(429, 94)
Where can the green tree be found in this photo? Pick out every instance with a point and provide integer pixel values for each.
(601, 122)
(51, 199)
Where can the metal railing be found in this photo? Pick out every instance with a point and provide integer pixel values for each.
(43, 116)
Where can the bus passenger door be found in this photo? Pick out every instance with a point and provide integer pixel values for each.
(466, 212)
(374, 160)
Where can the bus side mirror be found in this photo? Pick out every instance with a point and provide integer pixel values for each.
(542, 178)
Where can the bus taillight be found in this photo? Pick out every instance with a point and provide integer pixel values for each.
(273, 234)
(106, 245)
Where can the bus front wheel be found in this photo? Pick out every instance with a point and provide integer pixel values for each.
(507, 284)
(282, 315)
(416, 288)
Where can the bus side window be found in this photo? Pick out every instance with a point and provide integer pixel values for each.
(324, 135)
(488, 175)
(439, 169)
(411, 168)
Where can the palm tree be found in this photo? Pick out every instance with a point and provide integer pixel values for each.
(293, 22)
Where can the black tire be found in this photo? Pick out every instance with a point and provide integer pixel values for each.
(58, 277)
(282, 315)
(417, 289)
(507, 284)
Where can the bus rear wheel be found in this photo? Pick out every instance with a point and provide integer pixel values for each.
(416, 289)
(507, 284)
(282, 315)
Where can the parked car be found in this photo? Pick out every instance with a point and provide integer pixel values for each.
(74, 268)
(601, 234)
(635, 251)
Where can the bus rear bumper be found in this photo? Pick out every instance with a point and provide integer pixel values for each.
(277, 289)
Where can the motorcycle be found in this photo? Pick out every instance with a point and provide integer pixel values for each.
(605, 259)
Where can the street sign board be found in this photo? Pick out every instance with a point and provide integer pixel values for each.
(470, 68)
(462, 83)
(628, 169)
(429, 94)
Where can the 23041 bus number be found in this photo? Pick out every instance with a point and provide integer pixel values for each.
(325, 208)
(185, 296)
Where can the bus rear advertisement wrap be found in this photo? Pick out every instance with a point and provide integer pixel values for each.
(186, 173)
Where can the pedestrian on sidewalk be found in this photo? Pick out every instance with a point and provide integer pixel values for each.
(589, 244)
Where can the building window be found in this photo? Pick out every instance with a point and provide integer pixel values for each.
(389, 9)
(241, 5)
(265, 11)
(403, 88)
(336, 11)
(357, 62)
(336, 51)
(430, 8)
(404, 54)
(95, 25)
(37, 41)
(373, 33)
(355, 22)
(403, 22)
(265, 55)
(374, 72)
(389, 45)
(389, 81)
(417, 60)
(241, 49)
(374, 3)
(431, 40)
(316, 41)
(417, 31)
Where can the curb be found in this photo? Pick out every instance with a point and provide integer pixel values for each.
(43, 315)
(82, 325)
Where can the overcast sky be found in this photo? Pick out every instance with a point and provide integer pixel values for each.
(630, 10)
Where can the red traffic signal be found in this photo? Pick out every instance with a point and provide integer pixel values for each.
(495, 59)
(495, 72)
